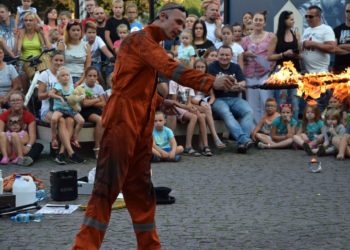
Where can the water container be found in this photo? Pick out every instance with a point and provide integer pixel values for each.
(25, 190)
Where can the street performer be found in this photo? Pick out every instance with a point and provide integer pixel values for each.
(128, 119)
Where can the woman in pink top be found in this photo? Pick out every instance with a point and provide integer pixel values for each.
(257, 67)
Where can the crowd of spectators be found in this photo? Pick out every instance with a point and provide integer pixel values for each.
(86, 50)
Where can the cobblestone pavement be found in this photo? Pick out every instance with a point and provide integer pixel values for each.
(263, 200)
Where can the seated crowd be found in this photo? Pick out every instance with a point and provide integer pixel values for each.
(86, 50)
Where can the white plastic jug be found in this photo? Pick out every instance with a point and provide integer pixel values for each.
(25, 190)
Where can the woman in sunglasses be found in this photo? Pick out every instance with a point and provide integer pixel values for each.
(77, 52)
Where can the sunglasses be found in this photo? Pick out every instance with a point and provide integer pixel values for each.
(347, 11)
(13, 122)
(309, 16)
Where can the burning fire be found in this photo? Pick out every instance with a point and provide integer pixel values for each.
(312, 85)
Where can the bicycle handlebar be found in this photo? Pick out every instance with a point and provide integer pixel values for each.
(33, 61)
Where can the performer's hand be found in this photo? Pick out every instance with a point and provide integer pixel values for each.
(225, 83)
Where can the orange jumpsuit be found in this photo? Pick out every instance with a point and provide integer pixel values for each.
(126, 146)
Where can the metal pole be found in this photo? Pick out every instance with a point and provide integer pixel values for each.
(227, 11)
(151, 10)
(76, 9)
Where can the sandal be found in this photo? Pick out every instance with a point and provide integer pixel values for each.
(96, 150)
(219, 143)
(54, 143)
(206, 151)
(75, 143)
(191, 152)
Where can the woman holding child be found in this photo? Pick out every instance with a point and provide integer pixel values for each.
(46, 81)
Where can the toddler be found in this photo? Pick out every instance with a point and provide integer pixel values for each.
(64, 18)
(54, 37)
(309, 133)
(333, 127)
(123, 31)
(333, 103)
(262, 131)
(17, 140)
(186, 52)
(164, 143)
(22, 10)
(63, 88)
(282, 130)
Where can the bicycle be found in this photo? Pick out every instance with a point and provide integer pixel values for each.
(34, 62)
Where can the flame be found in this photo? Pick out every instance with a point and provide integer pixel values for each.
(312, 85)
(312, 102)
(313, 160)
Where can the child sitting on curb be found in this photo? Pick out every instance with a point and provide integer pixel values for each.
(164, 146)
(262, 131)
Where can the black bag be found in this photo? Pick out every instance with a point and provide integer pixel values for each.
(162, 195)
(64, 185)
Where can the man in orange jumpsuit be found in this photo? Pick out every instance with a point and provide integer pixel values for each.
(128, 118)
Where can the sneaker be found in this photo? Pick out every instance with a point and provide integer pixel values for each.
(331, 150)
(60, 159)
(15, 160)
(307, 148)
(242, 149)
(177, 158)
(155, 158)
(25, 161)
(262, 145)
(74, 158)
(249, 144)
(321, 151)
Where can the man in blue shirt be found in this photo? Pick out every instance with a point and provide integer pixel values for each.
(228, 105)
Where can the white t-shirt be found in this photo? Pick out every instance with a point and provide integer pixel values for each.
(316, 60)
(49, 80)
(7, 74)
(211, 32)
(96, 49)
(236, 49)
(180, 91)
(97, 89)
